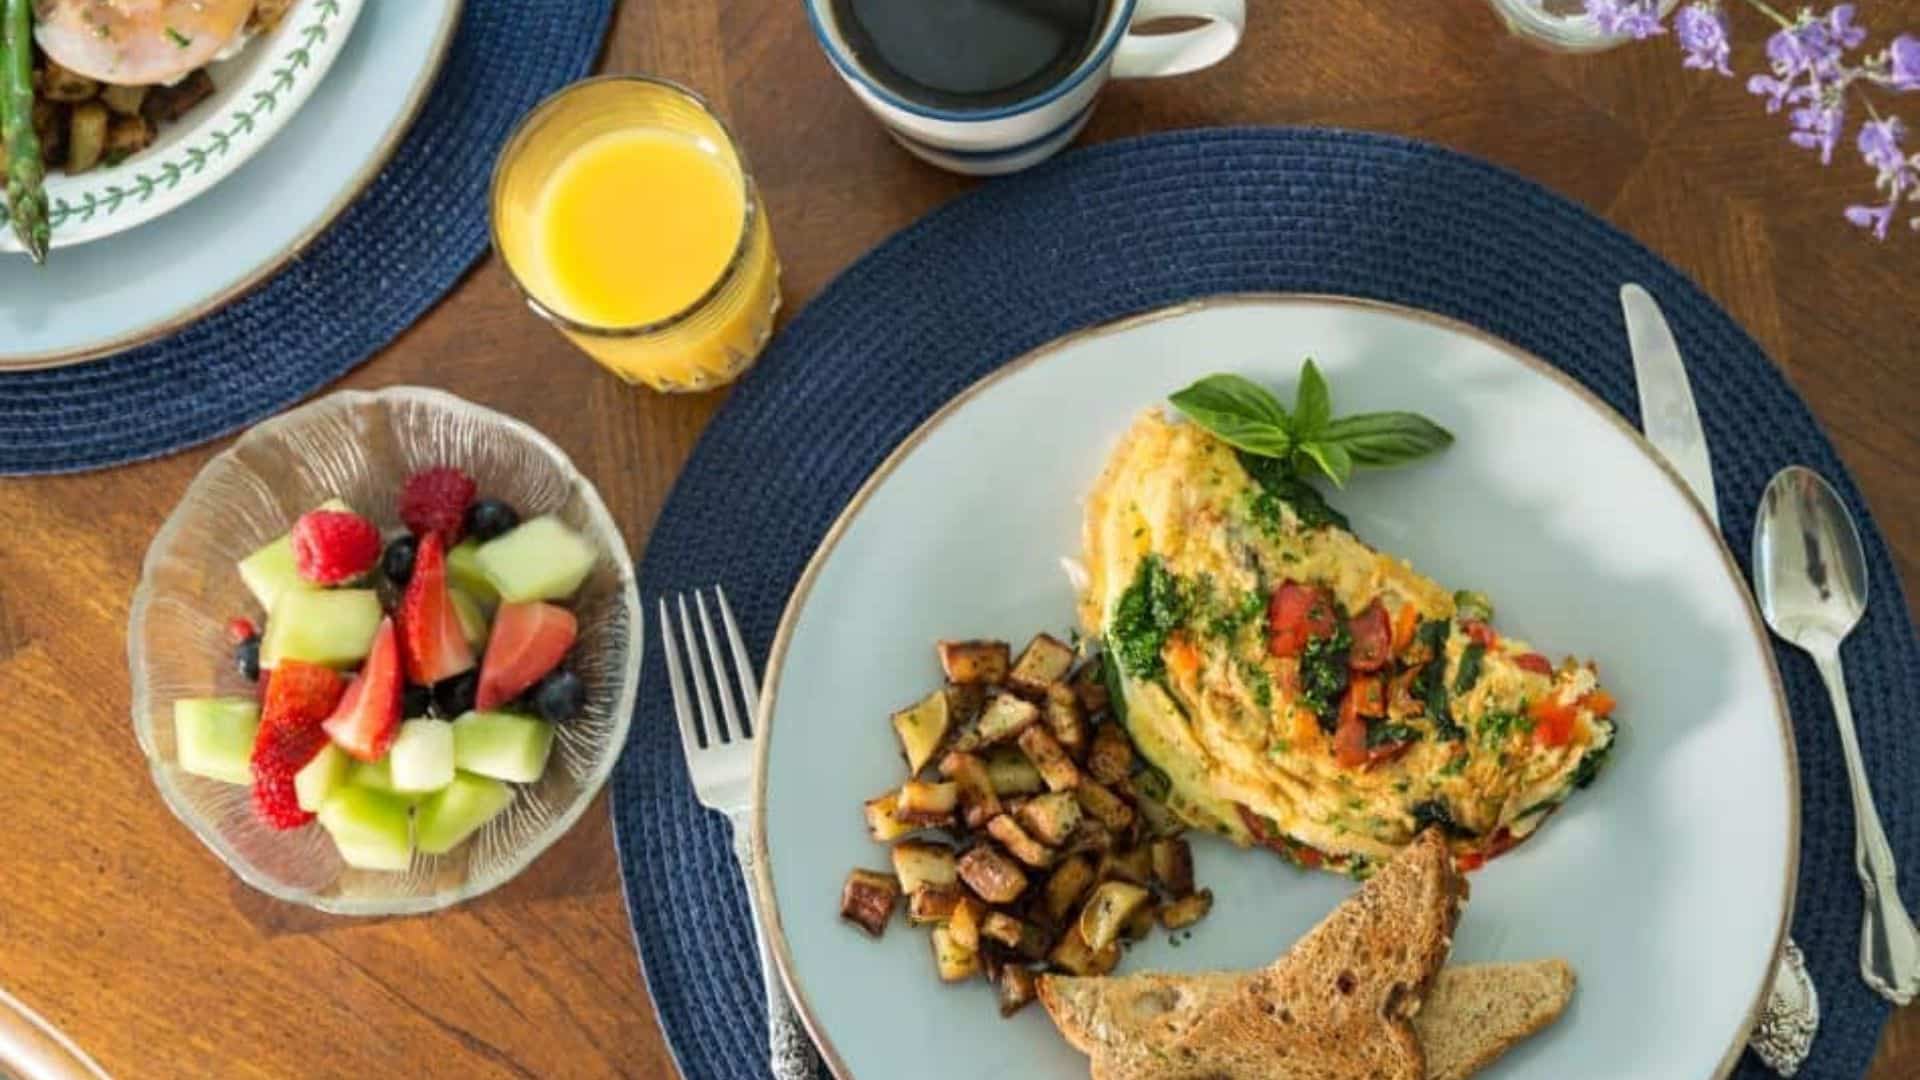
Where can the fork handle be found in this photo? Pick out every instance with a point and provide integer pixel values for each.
(789, 1051)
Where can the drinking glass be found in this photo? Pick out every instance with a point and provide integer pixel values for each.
(1561, 24)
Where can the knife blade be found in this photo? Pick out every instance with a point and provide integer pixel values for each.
(1668, 415)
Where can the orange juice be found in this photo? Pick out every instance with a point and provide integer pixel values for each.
(623, 210)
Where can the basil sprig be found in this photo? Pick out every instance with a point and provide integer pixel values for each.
(1309, 438)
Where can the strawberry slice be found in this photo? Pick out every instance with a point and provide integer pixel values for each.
(368, 715)
(527, 641)
(431, 639)
(299, 696)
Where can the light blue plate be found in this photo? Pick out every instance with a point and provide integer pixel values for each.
(150, 281)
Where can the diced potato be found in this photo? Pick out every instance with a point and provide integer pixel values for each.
(925, 805)
(974, 662)
(991, 875)
(1134, 866)
(1069, 882)
(932, 904)
(964, 921)
(1014, 987)
(882, 825)
(1056, 768)
(867, 900)
(1011, 773)
(1154, 815)
(1090, 686)
(1073, 955)
(1064, 719)
(964, 702)
(917, 863)
(1006, 717)
(1173, 866)
(1015, 839)
(1110, 758)
(1045, 661)
(59, 84)
(921, 726)
(1101, 802)
(1142, 922)
(1051, 818)
(165, 104)
(86, 136)
(1187, 910)
(1091, 837)
(1022, 937)
(977, 796)
(126, 136)
(992, 959)
(1108, 910)
(123, 100)
(956, 964)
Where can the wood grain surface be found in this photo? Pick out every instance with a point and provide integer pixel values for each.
(121, 930)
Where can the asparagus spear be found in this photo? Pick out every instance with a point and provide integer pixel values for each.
(26, 172)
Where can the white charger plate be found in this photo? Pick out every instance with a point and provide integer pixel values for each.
(144, 283)
(1667, 884)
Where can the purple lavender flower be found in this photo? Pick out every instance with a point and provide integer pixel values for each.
(1818, 126)
(1879, 144)
(1702, 30)
(1636, 19)
(1903, 62)
(1842, 30)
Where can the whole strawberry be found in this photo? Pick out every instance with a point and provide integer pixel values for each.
(334, 546)
(435, 501)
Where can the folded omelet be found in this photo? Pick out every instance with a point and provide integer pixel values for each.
(1301, 690)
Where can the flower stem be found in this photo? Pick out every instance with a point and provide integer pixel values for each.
(1766, 9)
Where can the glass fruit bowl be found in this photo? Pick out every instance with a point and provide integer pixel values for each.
(360, 447)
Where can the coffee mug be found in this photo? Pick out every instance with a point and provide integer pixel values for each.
(1005, 128)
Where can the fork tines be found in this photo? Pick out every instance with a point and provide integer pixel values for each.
(708, 728)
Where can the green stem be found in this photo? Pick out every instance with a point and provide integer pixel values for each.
(26, 172)
(1766, 9)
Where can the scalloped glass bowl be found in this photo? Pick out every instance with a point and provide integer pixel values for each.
(361, 446)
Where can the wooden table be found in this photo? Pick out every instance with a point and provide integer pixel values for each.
(120, 928)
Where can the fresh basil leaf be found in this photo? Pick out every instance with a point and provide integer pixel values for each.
(1381, 439)
(1312, 403)
(1239, 411)
(1332, 458)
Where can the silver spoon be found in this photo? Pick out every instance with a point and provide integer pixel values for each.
(1810, 576)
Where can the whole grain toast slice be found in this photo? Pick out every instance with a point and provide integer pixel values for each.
(1339, 1004)
(1472, 1014)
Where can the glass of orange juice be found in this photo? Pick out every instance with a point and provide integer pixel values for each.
(624, 211)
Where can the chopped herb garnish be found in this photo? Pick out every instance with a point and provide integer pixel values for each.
(1471, 604)
(1402, 785)
(1280, 484)
(1388, 734)
(1455, 766)
(1259, 682)
(1279, 748)
(1323, 674)
(1430, 686)
(1153, 606)
(1496, 726)
(179, 39)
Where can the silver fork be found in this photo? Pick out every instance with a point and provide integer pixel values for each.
(719, 748)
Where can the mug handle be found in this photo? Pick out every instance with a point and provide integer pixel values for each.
(1150, 56)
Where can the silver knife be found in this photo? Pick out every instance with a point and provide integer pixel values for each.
(1791, 1013)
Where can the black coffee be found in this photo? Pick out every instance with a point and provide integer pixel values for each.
(969, 54)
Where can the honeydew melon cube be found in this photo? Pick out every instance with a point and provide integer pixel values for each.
(422, 756)
(326, 773)
(473, 622)
(213, 737)
(504, 746)
(459, 810)
(372, 829)
(464, 573)
(378, 776)
(541, 559)
(332, 627)
(270, 571)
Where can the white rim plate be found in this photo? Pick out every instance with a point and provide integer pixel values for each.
(98, 298)
(1667, 884)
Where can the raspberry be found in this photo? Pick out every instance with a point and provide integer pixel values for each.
(332, 546)
(435, 501)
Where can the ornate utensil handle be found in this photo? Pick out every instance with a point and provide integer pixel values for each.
(789, 1050)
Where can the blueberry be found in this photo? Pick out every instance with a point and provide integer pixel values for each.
(246, 658)
(452, 697)
(415, 701)
(488, 518)
(560, 696)
(397, 563)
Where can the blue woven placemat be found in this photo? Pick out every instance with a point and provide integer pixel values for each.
(1131, 226)
(320, 317)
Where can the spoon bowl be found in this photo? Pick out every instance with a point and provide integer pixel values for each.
(1809, 569)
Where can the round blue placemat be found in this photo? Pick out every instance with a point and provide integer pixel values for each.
(1131, 226)
(415, 231)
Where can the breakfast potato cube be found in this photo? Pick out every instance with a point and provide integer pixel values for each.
(1045, 661)
(992, 959)
(1090, 686)
(165, 104)
(59, 84)
(1134, 865)
(123, 100)
(977, 797)
(1173, 866)
(932, 904)
(1064, 888)
(1100, 801)
(86, 136)
(1010, 773)
(974, 662)
(1051, 818)
(1091, 837)
(1187, 910)
(1022, 937)
(1110, 758)
(964, 702)
(126, 136)
(918, 862)
(1064, 719)
(1073, 955)
(965, 919)
(921, 726)
(955, 963)
(1154, 815)
(1016, 840)
(1006, 717)
(882, 825)
(1141, 924)
(1014, 987)
(1056, 768)
(1108, 910)
(991, 875)
(925, 805)
(867, 900)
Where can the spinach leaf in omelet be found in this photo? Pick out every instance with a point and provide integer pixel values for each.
(1154, 606)
(1431, 685)
(1280, 484)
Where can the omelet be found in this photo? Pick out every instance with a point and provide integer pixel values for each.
(1300, 690)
